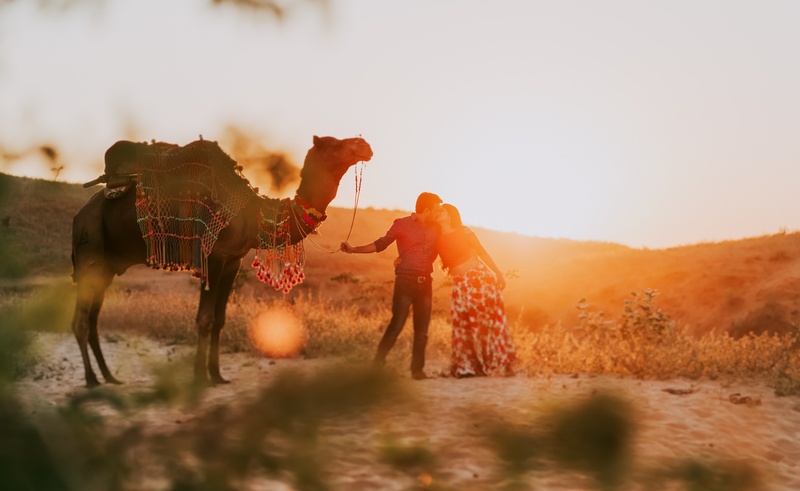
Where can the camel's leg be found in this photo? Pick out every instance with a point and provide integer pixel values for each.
(84, 322)
(94, 338)
(80, 327)
(224, 287)
(205, 318)
(204, 321)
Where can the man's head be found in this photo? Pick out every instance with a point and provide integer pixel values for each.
(428, 206)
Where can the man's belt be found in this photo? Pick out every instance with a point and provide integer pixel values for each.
(419, 278)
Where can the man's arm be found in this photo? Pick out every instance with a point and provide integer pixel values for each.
(377, 246)
(364, 249)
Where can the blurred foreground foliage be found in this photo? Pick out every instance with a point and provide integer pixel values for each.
(277, 9)
(272, 436)
(593, 438)
(279, 435)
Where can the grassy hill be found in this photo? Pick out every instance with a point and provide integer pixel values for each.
(36, 224)
(736, 286)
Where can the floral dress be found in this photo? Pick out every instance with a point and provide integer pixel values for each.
(481, 342)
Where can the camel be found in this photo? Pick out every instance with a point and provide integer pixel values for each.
(107, 240)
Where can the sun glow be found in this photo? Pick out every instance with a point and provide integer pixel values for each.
(277, 333)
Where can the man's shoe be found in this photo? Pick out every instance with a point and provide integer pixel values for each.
(419, 376)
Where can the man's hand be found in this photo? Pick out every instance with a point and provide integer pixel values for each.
(362, 249)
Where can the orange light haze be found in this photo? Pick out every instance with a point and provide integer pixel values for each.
(277, 333)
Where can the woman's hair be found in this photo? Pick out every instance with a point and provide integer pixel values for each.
(455, 222)
(455, 216)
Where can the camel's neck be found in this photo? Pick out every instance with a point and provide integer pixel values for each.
(318, 194)
(303, 192)
(286, 221)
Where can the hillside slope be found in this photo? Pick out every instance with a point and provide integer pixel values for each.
(36, 225)
(739, 286)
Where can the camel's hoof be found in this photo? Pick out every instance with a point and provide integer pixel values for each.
(219, 381)
(112, 380)
(92, 383)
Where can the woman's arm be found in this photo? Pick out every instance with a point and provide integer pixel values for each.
(486, 258)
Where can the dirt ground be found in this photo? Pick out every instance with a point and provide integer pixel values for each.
(675, 419)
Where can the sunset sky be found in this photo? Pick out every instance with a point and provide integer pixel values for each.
(643, 123)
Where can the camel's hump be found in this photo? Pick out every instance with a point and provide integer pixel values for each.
(127, 157)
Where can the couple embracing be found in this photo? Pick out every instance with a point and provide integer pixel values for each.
(481, 344)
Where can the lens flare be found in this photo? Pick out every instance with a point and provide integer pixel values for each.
(277, 333)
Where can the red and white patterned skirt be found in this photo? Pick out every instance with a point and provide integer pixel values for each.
(481, 341)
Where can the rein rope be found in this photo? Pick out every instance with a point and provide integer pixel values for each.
(359, 177)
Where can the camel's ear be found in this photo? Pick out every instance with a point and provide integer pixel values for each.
(316, 140)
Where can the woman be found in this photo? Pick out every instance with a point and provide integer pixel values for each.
(481, 341)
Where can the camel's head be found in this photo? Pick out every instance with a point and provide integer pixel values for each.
(325, 164)
(345, 152)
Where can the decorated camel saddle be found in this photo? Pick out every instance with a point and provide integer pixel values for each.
(126, 162)
(185, 195)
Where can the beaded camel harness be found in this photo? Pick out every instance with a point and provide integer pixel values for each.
(278, 262)
(185, 196)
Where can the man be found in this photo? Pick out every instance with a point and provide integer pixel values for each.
(416, 245)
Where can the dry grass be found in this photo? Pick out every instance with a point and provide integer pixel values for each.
(36, 225)
(643, 341)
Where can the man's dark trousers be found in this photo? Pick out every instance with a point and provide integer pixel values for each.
(409, 290)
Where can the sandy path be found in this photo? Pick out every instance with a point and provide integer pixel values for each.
(703, 424)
